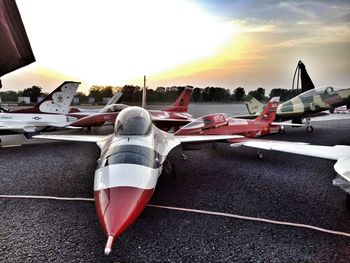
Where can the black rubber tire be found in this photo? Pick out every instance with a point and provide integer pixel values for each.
(309, 129)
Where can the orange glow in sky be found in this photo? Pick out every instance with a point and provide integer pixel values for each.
(199, 43)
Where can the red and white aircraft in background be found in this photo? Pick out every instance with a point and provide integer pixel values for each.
(50, 112)
(85, 112)
(172, 117)
(220, 123)
(129, 166)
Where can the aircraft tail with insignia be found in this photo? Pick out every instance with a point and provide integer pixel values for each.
(58, 101)
(254, 106)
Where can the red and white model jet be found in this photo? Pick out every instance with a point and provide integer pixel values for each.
(172, 117)
(129, 166)
(220, 123)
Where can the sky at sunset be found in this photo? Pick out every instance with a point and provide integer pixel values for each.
(200, 43)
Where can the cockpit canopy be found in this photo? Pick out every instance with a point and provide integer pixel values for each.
(114, 108)
(318, 91)
(133, 121)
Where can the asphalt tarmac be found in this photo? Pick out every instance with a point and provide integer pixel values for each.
(281, 187)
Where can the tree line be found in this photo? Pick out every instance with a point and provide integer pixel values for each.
(133, 94)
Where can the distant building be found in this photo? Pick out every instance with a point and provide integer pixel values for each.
(105, 100)
(91, 100)
(38, 99)
(76, 100)
(23, 100)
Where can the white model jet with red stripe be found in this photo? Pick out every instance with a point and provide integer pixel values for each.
(129, 166)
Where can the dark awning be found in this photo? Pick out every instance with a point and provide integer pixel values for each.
(15, 50)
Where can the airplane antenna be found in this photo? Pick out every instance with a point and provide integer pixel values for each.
(144, 93)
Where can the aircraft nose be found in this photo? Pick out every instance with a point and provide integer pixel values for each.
(118, 207)
(121, 193)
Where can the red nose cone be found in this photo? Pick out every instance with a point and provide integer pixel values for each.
(118, 207)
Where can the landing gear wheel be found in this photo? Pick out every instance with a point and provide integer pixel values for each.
(260, 154)
(347, 201)
(309, 129)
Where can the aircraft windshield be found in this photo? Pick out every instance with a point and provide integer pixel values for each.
(114, 108)
(133, 121)
(132, 154)
(196, 124)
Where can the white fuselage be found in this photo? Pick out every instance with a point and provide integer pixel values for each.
(31, 122)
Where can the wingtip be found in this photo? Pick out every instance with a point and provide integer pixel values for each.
(108, 247)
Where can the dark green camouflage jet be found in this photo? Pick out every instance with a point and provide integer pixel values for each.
(306, 105)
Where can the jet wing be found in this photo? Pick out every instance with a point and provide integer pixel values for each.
(342, 167)
(157, 119)
(74, 138)
(289, 124)
(340, 153)
(206, 138)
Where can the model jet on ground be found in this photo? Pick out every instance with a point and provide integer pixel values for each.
(307, 104)
(220, 123)
(50, 112)
(85, 112)
(312, 101)
(171, 117)
(129, 166)
(339, 153)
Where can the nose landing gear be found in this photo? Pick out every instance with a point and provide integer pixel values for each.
(309, 128)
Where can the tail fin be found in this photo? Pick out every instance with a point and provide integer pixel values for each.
(254, 106)
(269, 113)
(181, 104)
(115, 99)
(57, 101)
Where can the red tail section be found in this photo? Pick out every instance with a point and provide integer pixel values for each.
(269, 112)
(181, 104)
